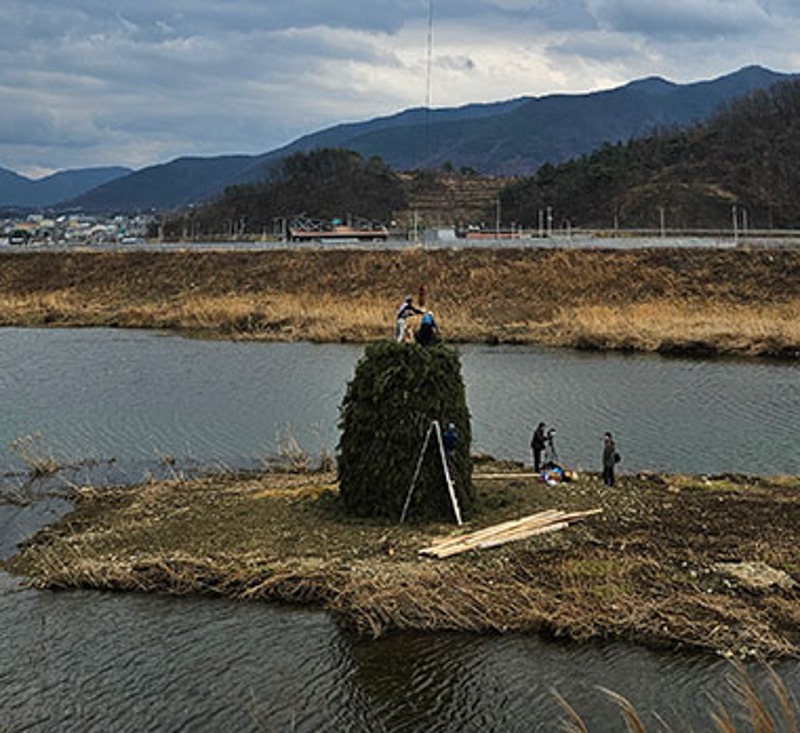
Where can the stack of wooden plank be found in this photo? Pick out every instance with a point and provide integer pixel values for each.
(550, 520)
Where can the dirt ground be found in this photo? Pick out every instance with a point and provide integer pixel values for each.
(662, 564)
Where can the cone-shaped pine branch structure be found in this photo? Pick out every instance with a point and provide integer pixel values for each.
(396, 393)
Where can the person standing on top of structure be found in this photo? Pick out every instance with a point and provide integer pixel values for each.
(428, 331)
(406, 310)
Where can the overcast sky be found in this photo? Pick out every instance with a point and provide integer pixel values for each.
(138, 82)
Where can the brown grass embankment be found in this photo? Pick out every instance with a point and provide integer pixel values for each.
(702, 301)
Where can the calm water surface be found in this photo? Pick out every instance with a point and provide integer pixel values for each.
(138, 404)
(87, 661)
(135, 403)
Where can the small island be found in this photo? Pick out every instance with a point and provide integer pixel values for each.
(704, 563)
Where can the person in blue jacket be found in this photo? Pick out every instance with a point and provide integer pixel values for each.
(450, 443)
(428, 331)
(450, 439)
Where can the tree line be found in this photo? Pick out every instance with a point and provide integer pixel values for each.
(744, 162)
(327, 183)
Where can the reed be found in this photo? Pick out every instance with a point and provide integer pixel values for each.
(755, 329)
(772, 710)
(645, 569)
(33, 451)
(659, 325)
(740, 302)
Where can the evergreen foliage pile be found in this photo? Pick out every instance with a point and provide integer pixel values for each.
(395, 394)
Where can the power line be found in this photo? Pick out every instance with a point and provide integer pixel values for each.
(429, 58)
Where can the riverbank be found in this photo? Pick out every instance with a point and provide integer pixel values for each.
(660, 565)
(704, 302)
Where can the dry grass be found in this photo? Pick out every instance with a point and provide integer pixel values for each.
(771, 711)
(269, 316)
(751, 329)
(290, 316)
(643, 570)
(33, 451)
(670, 300)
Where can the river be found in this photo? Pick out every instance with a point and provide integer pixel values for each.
(124, 405)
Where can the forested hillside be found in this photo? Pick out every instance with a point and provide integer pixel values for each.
(326, 183)
(514, 137)
(744, 163)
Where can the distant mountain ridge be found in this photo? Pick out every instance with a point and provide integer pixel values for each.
(513, 137)
(20, 191)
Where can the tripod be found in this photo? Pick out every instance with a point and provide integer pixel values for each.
(550, 453)
(436, 429)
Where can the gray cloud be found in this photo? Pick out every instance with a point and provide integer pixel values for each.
(94, 82)
(681, 18)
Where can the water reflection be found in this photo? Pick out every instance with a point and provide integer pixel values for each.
(97, 662)
(82, 661)
(449, 682)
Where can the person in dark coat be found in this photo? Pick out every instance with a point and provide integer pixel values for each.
(610, 459)
(450, 442)
(450, 439)
(538, 442)
(428, 331)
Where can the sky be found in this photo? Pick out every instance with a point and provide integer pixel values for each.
(88, 83)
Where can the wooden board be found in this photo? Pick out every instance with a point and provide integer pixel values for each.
(550, 520)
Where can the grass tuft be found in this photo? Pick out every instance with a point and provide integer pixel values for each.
(37, 457)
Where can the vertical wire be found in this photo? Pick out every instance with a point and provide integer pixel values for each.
(428, 82)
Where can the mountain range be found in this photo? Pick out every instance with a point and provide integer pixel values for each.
(513, 137)
(22, 192)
